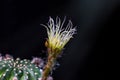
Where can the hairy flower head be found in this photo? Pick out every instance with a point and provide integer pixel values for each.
(58, 35)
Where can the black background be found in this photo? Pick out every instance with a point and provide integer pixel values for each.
(83, 59)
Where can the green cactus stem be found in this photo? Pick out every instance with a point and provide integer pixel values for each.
(11, 69)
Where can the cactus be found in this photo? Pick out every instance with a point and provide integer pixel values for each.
(11, 69)
(58, 37)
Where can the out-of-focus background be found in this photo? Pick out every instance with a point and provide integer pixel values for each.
(83, 58)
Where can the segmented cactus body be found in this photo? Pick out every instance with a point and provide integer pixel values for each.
(11, 69)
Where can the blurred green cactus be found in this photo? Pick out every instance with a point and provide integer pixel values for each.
(11, 69)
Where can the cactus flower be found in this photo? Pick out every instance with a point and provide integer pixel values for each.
(58, 36)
